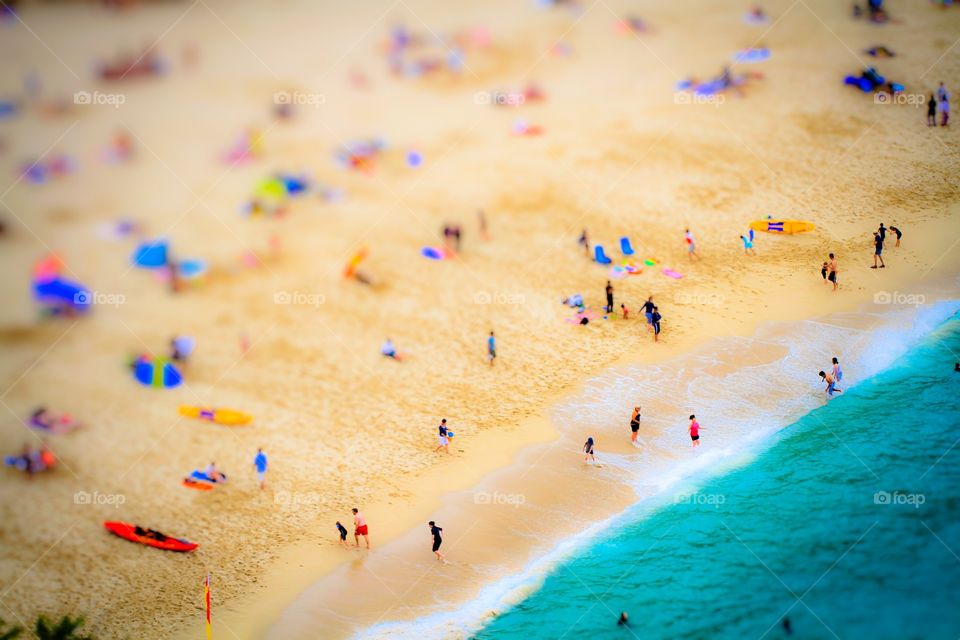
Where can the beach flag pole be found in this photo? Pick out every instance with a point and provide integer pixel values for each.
(206, 598)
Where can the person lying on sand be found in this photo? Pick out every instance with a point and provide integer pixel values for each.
(50, 421)
(390, 351)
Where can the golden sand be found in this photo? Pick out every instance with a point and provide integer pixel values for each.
(342, 425)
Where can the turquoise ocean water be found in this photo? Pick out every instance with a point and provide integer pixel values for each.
(848, 524)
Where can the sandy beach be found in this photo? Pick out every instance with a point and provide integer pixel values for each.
(620, 154)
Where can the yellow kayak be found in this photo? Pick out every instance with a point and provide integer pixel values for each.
(782, 226)
(220, 416)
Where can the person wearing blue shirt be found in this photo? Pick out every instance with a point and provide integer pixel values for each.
(260, 462)
(491, 348)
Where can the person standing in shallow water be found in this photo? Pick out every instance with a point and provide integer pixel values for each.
(634, 425)
(437, 540)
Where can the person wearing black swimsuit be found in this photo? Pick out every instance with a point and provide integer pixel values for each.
(634, 425)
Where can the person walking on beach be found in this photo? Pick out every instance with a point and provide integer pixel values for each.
(260, 464)
(360, 528)
(691, 245)
(831, 383)
(877, 251)
(943, 101)
(648, 308)
(635, 426)
(443, 441)
(491, 348)
(897, 233)
(694, 430)
(932, 111)
(584, 241)
(832, 271)
(655, 323)
(588, 451)
(437, 540)
(609, 291)
(342, 532)
(837, 371)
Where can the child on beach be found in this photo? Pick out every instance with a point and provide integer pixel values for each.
(823, 271)
(491, 348)
(260, 463)
(748, 246)
(360, 524)
(588, 451)
(443, 441)
(635, 426)
(831, 383)
(437, 540)
(694, 430)
(625, 311)
(342, 531)
(655, 323)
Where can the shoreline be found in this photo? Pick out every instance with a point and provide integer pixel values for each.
(426, 617)
(302, 566)
(345, 427)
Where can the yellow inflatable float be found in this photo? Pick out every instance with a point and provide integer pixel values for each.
(227, 417)
(782, 226)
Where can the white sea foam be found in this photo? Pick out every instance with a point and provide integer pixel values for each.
(740, 412)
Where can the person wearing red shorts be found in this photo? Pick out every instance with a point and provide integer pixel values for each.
(360, 528)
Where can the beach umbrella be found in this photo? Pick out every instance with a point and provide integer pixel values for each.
(151, 255)
(156, 372)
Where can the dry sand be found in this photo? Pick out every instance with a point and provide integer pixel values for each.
(343, 426)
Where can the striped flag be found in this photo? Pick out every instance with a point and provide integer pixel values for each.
(206, 599)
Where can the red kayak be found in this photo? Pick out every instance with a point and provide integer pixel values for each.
(149, 537)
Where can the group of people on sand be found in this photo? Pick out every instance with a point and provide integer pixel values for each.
(939, 102)
(831, 379)
(830, 270)
(360, 528)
